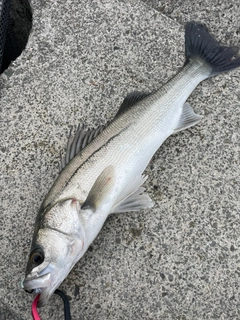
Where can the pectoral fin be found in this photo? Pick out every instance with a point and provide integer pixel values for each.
(188, 118)
(132, 198)
(102, 187)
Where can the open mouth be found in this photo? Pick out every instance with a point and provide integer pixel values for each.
(36, 284)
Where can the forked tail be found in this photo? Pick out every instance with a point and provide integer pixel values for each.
(200, 44)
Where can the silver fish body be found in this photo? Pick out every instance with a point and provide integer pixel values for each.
(106, 176)
(130, 141)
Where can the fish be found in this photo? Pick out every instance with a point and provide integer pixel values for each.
(103, 170)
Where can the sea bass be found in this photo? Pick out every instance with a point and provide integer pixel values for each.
(103, 169)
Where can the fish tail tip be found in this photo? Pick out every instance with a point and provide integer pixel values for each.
(199, 43)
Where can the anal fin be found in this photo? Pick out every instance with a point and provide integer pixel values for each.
(188, 118)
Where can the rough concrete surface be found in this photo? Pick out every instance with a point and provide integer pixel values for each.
(179, 260)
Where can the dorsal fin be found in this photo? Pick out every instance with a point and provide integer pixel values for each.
(130, 100)
(77, 143)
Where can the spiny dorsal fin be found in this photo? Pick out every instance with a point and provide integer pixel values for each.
(130, 100)
(78, 142)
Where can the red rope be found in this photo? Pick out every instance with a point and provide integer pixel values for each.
(67, 314)
(35, 314)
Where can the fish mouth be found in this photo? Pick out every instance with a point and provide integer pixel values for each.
(44, 285)
(35, 284)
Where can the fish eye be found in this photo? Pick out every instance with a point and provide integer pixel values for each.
(37, 257)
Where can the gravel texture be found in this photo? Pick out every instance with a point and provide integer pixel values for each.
(179, 260)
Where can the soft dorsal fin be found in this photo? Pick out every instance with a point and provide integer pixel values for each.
(78, 142)
(130, 100)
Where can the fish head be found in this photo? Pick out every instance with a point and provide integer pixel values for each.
(58, 243)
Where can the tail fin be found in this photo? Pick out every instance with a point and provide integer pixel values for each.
(199, 43)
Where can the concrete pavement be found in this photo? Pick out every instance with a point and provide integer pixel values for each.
(179, 260)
